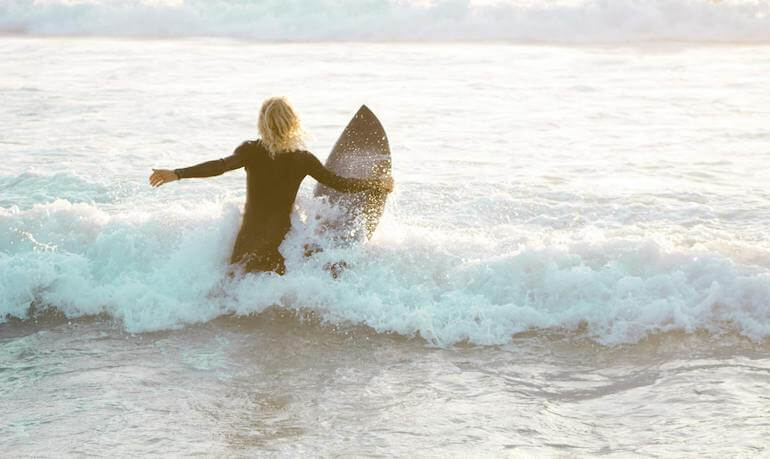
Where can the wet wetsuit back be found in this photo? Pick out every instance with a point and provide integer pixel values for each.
(272, 185)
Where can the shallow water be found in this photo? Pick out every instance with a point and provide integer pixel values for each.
(284, 384)
(574, 261)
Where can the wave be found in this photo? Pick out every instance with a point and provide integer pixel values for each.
(162, 269)
(559, 21)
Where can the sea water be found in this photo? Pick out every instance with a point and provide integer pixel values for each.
(574, 261)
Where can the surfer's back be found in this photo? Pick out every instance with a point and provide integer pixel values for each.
(272, 181)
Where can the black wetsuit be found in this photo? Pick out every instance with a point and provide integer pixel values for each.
(272, 184)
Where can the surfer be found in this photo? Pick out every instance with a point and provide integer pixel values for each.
(275, 165)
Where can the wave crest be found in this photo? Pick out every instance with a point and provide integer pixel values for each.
(561, 21)
(155, 270)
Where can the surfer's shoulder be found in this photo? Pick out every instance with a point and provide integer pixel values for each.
(249, 147)
(308, 159)
(249, 144)
(304, 154)
(297, 155)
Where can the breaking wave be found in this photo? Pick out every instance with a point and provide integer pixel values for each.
(559, 21)
(155, 270)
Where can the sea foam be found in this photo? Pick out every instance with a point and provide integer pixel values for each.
(155, 270)
(561, 21)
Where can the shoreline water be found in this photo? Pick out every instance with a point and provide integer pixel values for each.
(273, 384)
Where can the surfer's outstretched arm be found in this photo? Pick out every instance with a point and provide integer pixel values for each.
(345, 184)
(206, 169)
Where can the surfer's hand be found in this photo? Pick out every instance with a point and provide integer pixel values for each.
(387, 184)
(161, 176)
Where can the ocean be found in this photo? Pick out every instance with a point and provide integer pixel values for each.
(575, 260)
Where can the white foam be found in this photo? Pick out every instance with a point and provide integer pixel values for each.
(163, 269)
(561, 21)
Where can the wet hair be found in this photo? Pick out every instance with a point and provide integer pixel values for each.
(279, 126)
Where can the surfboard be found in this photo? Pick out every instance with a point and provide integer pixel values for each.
(362, 151)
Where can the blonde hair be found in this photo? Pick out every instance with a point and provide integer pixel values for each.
(279, 126)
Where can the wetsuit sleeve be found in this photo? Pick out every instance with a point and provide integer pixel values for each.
(215, 167)
(315, 169)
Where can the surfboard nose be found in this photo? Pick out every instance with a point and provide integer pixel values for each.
(364, 111)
